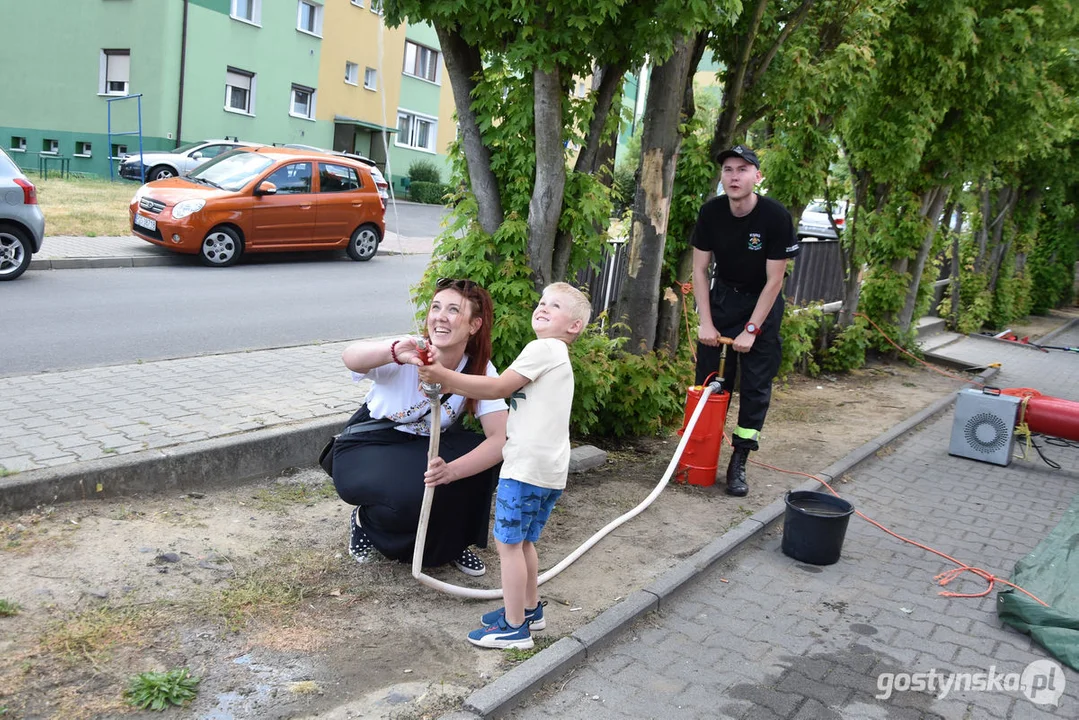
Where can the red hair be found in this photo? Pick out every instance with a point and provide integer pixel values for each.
(478, 348)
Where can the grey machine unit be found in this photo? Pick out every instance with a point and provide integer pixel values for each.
(984, 426)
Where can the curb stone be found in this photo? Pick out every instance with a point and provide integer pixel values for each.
(511, 689)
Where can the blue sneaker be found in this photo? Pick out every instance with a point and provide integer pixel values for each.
(534, 617)
(500, 635)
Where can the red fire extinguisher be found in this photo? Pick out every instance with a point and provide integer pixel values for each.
(700, 458)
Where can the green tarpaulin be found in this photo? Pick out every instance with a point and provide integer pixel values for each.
(1051, 572)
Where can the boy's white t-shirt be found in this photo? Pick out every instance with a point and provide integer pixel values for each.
(537, 447)
(396, 396)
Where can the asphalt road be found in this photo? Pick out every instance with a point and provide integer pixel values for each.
(67, 319)
(415, 220)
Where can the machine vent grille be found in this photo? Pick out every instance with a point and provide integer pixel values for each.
(986, 433)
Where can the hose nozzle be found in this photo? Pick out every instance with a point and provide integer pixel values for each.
(431, 390)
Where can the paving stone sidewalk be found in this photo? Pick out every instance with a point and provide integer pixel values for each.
(763, 636)
(55, 419)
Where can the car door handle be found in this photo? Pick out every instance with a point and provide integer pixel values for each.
(358, 203)
(305, 207)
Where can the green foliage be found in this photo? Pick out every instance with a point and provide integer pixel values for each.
(623, 188)
(159, 690)
(428, 192)
(847, 350)
(8, 608)
(800, 328)
(424, 171)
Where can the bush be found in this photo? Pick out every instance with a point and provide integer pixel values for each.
(428, 192)
(424, 171)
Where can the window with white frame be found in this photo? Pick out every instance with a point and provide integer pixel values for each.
(309, 17)
(18, 143)
(50, 147)
(247, 11)
(119, 152)
(416, 131)
(83, 149)
(352, 73)
(370, 79)
(376, 6)
(303, 102)
(420, 61)
(115, 72)
(239, 91)
(358, 3)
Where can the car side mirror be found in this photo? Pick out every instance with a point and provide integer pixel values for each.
(197, 155)
(266, 188)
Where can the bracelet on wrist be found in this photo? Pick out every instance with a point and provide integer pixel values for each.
(393, 352)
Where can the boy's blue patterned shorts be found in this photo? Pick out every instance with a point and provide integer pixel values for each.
(521, 511)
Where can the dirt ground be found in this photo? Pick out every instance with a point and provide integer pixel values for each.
(251, 587)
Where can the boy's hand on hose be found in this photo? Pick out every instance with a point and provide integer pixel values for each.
(438, 473)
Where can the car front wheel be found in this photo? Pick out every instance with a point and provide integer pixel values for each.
(221, 247)
(364, 243)
(14, 252)
(160, 173)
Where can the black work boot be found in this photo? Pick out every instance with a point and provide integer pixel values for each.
(736, 473)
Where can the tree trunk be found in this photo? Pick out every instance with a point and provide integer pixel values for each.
(1006, 203)
(734, 86)
(848, 250)
(592, 156)
(463, 65)
(932, 206)
(638, 300)
(671, 307)
(545, 207)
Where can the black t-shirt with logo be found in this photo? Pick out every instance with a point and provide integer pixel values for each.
(741, 246)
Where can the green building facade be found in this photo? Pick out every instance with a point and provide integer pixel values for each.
(250, 71)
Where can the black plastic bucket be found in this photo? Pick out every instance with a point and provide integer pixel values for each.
(814, 526)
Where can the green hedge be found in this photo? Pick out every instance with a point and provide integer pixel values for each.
(428, 192)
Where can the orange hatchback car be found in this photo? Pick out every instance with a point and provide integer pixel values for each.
(263, 199)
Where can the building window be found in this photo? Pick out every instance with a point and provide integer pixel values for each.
(376, 6)
(370, 79)
(119, 152)
(18, 144)
(239, 91)
(309, 18)
(358, 3)
(352, 73)
(416, 131)
(420, 61)
(303, 102)
(247, 11)
(83, 149)
(50, 147)
(115, 72)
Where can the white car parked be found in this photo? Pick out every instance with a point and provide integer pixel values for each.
(814, 222)
(173, 163)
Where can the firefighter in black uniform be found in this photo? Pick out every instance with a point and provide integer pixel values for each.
(750, 237)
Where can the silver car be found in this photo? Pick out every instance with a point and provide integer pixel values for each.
(815, 222)
(22, 226)
(173, 163)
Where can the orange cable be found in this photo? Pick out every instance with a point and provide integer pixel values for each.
(948, 575)
(903, 350)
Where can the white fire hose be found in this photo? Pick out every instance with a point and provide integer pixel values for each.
(433, 393)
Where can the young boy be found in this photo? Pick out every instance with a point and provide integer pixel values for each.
(539, 388)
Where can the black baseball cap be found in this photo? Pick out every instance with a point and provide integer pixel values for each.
(740, 151)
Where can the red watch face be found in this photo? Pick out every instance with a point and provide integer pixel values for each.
(752, 329)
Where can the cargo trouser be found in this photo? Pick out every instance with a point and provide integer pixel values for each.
(754, 370)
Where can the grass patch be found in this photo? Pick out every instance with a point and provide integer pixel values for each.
(8, 608)
(4, 472)
(280, 496)
(85, 206)
(159, 690)
(92, 634)
(515, 655)
(276, 588)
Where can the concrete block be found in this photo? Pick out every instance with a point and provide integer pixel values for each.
(586, 457)
(510, 689)
(610, 622)
(724, 545)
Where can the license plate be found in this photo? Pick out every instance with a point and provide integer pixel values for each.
(148, 223)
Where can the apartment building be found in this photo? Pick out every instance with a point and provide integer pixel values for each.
(326, 73)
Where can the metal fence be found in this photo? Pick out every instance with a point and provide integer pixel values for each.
(817, 275)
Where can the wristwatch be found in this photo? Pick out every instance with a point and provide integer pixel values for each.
(752, 329)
